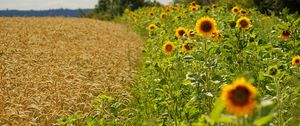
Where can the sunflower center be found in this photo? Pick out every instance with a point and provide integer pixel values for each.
(235, 10)
(243, 12)
(286, 33)
(240, 96)
(297, 61)
(151, 27)
(169, 48)
(181, 32)
(206, 26)
(186, 46)
(244, 23)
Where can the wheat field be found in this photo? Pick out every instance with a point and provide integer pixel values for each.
(51, 67)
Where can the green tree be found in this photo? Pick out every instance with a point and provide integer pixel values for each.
(108, 9)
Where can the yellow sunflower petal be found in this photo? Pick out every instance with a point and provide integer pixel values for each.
(285, 35)
(168, 47)
(235, 10)
(239, 97)
(206, 26)
(180, 32)
(243, 23)
(296, 60)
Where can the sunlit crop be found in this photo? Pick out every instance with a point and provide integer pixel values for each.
(54, 68)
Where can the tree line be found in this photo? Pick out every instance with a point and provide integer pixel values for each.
(109, 9)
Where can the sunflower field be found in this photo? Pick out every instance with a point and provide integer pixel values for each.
(216, 65)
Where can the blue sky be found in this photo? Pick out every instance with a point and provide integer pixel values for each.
(51, 4)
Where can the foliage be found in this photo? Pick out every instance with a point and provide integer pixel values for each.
(277, 5)
(109, 9)
(183, 88)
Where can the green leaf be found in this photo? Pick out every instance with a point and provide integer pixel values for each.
(225, 119)
(218, 108)
(186, 82)
(263, 120)
(102, 122)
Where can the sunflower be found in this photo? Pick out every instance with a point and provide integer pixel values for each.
(214, 6)
(152, 27)
(193, 8)
(239, 97)
(194, 4)
(216, 36)
(186, 48)
(180, 32)
(168, 47)
(235, 10)
(205, 26)
(191, 34)
(296, 60)
(163, 16)
(132, 14)
(168, 9)
(243, 23)
(285, 35)
(243, 12)
(177, 8)
(185, 12)
(151, 14)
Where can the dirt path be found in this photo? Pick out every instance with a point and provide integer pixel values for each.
(51, 67)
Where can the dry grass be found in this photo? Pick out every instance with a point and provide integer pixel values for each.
(50, 67)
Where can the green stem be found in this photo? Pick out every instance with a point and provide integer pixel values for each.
(279, 101)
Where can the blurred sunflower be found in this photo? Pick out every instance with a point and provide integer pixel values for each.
(235, 10)
(296, 60)
(168, 9)
(205, 26)
(186, 48)
(243, 23)
(185, 12)
(214, 6)
(163, 16)
(132, 14)
(193, 8)
(193, 3)
(239, 97)
(168, 47)
(191, 34)
(152, 27)
(285, 35)
(216, 36)
(177, 8)
(243, 12)
(180, 32)
(151, 14)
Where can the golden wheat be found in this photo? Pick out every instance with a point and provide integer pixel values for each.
(50, 67)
